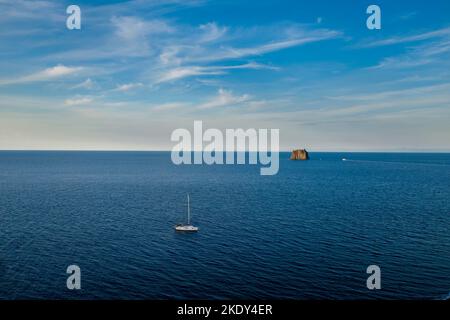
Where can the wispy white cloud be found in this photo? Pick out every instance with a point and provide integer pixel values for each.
(134, 29)
(445, 32)
(290, 39)
(44, 75)
(224, 98)
(425, 49)
(211, 32)
(127, 37)
(184, 72)
(136, 36)
(170, 106)
(86, 84)
(189, 71)
(390, 94)
(128, 86)
(274, 46)
(78, 101)
(401, 62)
(30, 10)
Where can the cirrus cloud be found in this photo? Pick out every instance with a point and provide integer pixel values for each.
(78, 101)
(44, 75)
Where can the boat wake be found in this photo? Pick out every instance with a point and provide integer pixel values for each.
(398, 162)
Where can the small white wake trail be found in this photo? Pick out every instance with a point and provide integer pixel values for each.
(397, 162)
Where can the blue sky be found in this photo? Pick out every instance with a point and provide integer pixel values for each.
(137, 70)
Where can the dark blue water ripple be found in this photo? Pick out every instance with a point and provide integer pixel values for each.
(307, 233)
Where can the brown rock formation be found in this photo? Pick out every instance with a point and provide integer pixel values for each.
(300, 154)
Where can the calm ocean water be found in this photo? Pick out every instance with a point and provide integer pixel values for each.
(307, 233)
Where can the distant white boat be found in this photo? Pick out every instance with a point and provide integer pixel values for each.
(344, 159)
(187, 227)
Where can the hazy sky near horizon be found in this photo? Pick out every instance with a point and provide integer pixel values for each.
(137, 70)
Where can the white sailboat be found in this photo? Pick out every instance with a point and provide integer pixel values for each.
(187, 227)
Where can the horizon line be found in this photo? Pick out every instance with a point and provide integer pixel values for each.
(280, 151)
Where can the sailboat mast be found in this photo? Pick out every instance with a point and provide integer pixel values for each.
(189, 211)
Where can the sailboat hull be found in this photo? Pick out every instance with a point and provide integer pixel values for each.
(186, 228)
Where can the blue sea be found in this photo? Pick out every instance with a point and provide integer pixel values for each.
(309, 232)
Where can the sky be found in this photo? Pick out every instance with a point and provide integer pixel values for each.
(138, 70)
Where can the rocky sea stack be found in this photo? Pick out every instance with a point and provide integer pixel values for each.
(300, 154)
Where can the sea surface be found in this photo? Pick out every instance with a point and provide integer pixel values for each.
(309, 232)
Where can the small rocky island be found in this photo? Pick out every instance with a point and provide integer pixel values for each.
(300, 154)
